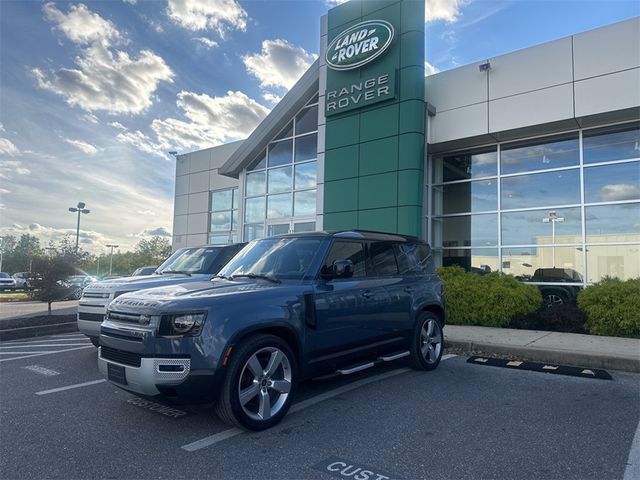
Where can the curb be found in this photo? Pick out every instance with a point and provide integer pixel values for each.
(562, 357)
(37, 330)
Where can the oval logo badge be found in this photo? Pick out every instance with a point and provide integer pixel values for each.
(359, 44)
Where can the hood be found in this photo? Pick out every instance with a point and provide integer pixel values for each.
(131, 284)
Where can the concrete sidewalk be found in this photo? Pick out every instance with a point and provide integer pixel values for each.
(591, 351)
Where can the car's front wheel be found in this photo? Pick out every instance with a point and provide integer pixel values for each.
(260, 383)
(427, 343)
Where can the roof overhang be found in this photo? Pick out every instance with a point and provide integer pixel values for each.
(277, 119)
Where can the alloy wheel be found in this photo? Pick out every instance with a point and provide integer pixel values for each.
(431, 341)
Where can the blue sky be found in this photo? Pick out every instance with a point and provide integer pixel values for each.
(93, 95)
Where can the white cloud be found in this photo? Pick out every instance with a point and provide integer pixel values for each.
(155, 232)
(212, 120)
(117, 125)
(333, 3)
(8, 148)
(82, 146)
(447, 10)
(81, 25)
(130, 2)
(10, 167)
(619, 191)
(207, 42)
(430, 69)
(279, 63)
(141, 142)
(272, 97)
(106, 79)
(2, 127)
(218, 15)
(90, 117)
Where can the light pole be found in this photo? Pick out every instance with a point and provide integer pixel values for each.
(553, 218)
(111, 256)
(80, 209)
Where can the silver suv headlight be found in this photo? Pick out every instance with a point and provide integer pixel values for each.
(186, 324)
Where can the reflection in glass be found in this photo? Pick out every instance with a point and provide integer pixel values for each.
(613, 223)
(306, 147)
(305, 175)
(307, 120)
(220, 221)
(540, 189)
(256, 183)
(463, 166)
(478, 196)
(285, 132)
(234, 220)
(280, 153)
(478, 260)
(278, 229)
(539, 155)
(467, 230)
(260, 164)
(221, 200)
(537, 263)
(236, 198)
(304, 203)
(253, 231)
(280, 179)
(304, 227)
(612, 183)
(605, 146)
(542, 227)
(279, 206)
(219, 239)
(619, 261)
(254, 209)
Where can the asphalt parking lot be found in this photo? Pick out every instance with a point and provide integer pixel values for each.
(466, 421)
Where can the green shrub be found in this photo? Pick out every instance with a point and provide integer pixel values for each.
(612, 307)
(491, 300)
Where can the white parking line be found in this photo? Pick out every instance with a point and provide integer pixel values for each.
(232, 432)
(42, 345)
(70, 387)
(47, 353)
(21, 353)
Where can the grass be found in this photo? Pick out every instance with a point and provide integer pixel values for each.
(14, 296)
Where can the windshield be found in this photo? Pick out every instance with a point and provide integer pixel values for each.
(281, 258)
(4, 275)
(199, 260)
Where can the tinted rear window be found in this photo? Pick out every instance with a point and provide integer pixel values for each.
(414, 259)
(383, 258)
(341, 250)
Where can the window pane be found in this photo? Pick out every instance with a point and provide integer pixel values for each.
(306, 175)
(611, 183)
(613, 223)
(219, 239)
(313, 100)
(414, 259)
(306, 147)
(618, 261)
(540, 155)
(280, 153)
(554, 188)
(467, 230)
(305, 203)
(254, 209)
(260, 164)
(220, 221)
(477, 260)
(304, 227)
(463, 166)
(465, 197)
(221, 200)
(278, 229)
(544, 264)
(307, 120)
(279, 206)
(256, 184)
(234, 220)
(603, 147)
(280, 180)
(285, 132)
(236, 198)
(252, 232)
(383, 258)
(537, 227)
(353, 251)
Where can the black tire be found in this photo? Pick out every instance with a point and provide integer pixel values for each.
(418, 359)
(263, 347)
(553, 299)
(95, 341)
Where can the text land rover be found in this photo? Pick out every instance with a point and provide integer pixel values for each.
(283, 309)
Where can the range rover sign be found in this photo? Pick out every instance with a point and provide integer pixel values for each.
(359, 44)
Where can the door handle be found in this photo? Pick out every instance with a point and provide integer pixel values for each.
(408, 289)
(367, 294)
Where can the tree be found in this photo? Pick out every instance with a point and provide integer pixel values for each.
(153, 251)
(17, 255)
(49, 275)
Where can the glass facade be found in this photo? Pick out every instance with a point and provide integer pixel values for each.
(280, 189)
(564, 203)
(223, 216)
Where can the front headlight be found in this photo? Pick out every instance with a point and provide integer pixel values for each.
(189, 324)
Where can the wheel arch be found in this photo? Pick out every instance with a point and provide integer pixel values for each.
(283, 331)
(436, 309)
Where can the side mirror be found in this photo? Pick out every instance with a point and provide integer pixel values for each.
(343, 269)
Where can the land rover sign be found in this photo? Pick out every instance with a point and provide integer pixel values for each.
(359, 44)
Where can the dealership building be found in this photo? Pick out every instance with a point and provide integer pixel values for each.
(522, 163)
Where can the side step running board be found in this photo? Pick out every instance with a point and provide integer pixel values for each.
(394, 356)
(356, 368)
(363, 366)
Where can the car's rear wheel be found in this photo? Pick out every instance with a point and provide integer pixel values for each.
(427, 343)
(260, 383)
(554, 299)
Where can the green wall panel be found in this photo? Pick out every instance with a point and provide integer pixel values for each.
(409, 88)
(340, 163)
(341, 220)
(412, 16)
(411, 151)
(369, 6)
(410, 187)
(379, 219)
(412, 114)
(341, 195)
(342, 14)
(379, 123)
(379, 156)
(409, 221)
(377, 191)
(412, 48)
(341, 132)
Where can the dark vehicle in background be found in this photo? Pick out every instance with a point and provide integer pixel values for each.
(186, 265)
(284, 309)
(555, 295)
(142, 271)
(7, 282)
(24, 280)
(75, 284)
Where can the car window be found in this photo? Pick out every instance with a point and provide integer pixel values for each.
(414, 259)
(342, 250)
(383, 259)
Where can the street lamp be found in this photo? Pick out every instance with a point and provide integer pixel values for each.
(111, 256)
(80, 209)
(553, 218)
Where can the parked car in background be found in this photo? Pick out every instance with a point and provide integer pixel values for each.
(555, 295)
(75, 284)
(191, 264)
(144, 271)
(23, 280)
(285, 308)
(7, 282)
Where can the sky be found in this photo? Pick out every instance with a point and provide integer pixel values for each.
(94, 94)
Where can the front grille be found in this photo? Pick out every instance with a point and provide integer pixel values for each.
(95, 295)
(91, 317)
(123, 317)
(120, 356)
